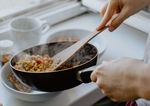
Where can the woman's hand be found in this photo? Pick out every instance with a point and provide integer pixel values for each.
(120, 79)
(124, 8)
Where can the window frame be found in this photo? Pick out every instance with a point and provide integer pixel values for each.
(50, 14)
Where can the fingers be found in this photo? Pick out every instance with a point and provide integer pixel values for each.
(96, 73)
(94, 76)
(107, 16)
(119, 19)
(102, 13)
(97, 77)
(105, 90)
(109, 10)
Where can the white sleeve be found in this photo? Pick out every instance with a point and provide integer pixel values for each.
(143, 102)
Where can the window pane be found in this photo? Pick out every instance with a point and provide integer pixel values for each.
(10, 7)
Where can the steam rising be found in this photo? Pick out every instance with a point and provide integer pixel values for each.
(52, 48)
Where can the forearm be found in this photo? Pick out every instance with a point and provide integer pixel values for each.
(144, 82)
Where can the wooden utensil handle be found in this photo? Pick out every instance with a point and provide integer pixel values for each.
(70, 51)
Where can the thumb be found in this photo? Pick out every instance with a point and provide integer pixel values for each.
(119, 19)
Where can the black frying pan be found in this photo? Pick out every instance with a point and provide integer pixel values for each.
(61, 79)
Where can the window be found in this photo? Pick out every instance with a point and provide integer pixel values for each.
(13, 8)
(49, 10)
(95, 5)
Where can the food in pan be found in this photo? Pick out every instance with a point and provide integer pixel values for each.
(38, 63)
(35, 63)
(38, 59)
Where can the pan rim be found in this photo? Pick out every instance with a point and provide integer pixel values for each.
(67, 69)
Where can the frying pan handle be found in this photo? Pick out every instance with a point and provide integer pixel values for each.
(84, 76)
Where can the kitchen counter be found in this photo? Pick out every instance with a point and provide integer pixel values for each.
(125, 41)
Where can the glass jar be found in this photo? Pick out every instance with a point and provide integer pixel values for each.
(6, 50)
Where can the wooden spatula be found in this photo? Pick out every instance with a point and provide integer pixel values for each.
(66, 54)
